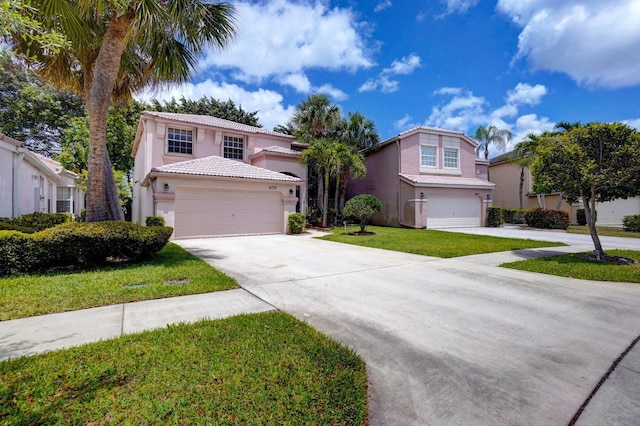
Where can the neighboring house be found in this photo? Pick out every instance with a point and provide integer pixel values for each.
(31, 183)
(505, 173)
(427, 178)
(208, 176)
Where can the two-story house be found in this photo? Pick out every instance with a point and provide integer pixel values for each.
(208, 176)
(427, 178)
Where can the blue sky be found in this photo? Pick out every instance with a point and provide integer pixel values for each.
(456, 64)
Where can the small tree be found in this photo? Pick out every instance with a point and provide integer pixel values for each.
(362, 207)
(594, 163)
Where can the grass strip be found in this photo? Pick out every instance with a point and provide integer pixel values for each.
(433, 243)
(577, 265)
(251, 369)
(603, 231)
(29, 295)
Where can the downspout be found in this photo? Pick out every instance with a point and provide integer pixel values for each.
(153, 197)
(14, 196)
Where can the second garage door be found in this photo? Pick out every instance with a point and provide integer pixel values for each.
(452, 212)
(211, 212)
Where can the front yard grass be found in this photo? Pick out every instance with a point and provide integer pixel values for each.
(172, 272)
(433, 243)
(264, 368)
(578, 266)
(603, 231)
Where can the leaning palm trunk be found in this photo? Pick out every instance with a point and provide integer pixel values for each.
(521, 187)
(325, 199)
(101, 186)
(559, 203)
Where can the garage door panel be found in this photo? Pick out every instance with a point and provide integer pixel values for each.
(453, 212)
(204, 212)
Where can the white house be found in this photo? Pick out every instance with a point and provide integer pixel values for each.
(31, 183)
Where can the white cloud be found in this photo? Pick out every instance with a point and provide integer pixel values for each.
(458, 6)
(593, 41)
(382, 5)
(462, 112)
(328, 89)
(284, 38)
(268, 103)
(526, 125)
(526, 94)
(448, 91)
(301, 84)
(383, 82)
(633, 122)
(404, 123)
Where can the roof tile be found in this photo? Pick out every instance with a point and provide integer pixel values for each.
(448, 181)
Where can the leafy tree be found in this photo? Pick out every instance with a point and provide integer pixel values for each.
(16, 16)
(491, 135)
(524, 155)
(321, 154)
(594, 163)
(286, 129)
(116, 48)
(362, 207)
(208, 106)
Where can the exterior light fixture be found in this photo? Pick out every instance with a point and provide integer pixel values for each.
(166, 187)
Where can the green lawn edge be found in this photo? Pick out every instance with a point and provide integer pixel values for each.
(433, 243)
(266, 368)
(172, 272)
(603, 231)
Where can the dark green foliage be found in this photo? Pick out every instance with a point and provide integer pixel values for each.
(581, 216)
(208, 106)
(154, 221)
(38, 221)
(7, 226)
(296, 223)
(631, 223)
(547, 219)
(495, 218)
(515, 216)
(362, 207)
(79, 245)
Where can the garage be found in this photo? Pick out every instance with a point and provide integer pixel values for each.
(212, 212)
(453, 211)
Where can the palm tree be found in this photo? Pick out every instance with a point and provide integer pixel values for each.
(321, 155)
(491, 135)
(345, 161)
(524, 156)
(116, 48)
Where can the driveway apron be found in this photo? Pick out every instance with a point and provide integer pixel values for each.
(446, 341)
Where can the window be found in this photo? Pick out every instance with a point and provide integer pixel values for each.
(233, 147)
(450, 158)
(179, 141)
(427, 156)
(64, 200)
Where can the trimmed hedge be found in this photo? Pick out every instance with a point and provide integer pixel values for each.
(79, 245)
(631, 223)
(581, 216)
(515, 216)
(494, 216)
(547, 219)
(6, 226)
(296, 223)
(154, 221)
(40, 221)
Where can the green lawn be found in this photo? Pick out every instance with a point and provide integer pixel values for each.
(433, 243)
(172, 272)
(603, 231)
(251, 369)
(577, 266)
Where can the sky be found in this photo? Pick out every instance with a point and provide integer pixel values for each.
(522, 65)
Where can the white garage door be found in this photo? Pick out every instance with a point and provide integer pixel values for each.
(207, 212)
(452, 212)
(612, 213)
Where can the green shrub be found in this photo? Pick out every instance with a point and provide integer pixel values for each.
(547, 219)
(515, 216)
(581, 216)
(296, 223)
(362, 207)
(41, 221)
(631, 223)
(494, 216)
(79, 245)
(154, 221)
(6, 226)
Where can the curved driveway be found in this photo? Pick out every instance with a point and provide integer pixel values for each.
(446, 341)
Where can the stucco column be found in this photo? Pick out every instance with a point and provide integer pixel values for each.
(15, 198)
(486, 203)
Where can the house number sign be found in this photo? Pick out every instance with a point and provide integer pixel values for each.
(273, 187)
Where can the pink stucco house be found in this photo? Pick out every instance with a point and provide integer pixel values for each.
(208, 176)
(427, 178)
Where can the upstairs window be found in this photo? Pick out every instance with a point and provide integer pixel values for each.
(179, 141)
(233, 147)
(428, 156)
(451, 158)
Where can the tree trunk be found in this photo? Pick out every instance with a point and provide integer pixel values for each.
(559, 203)
(325, 199)
(521, 187)
(344, 183)
(589, 209)
(336, 196)
(100, 182)
(321, 191)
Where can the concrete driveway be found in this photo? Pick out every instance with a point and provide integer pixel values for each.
(446, 341)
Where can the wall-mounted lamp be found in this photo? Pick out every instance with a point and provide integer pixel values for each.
(291, 192)
(166, 187)
(488, 196)
(422, 195)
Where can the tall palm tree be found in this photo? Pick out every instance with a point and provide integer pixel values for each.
(524, 156)
(117, 47)
(321, 154)
(345, 162)
(491, 135)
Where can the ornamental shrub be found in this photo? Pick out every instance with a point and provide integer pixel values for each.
(154, 221)
(547, 219)
(6, 226)
(79, 245)
(581, 216)
(296, 223)
(41, 221)
(515, 216)
(494, 216)
(631, 223)
(362, 207)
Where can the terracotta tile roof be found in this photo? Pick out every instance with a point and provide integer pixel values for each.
(223, 167)
(280, 150)
(207, 120)
(447, 181)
